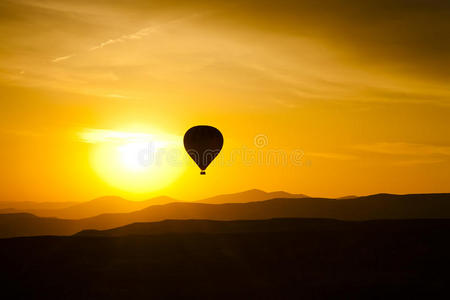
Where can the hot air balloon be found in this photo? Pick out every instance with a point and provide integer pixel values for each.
(203, 143)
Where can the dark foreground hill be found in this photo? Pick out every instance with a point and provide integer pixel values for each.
(404, 259)
(264, 226)
(381, 206)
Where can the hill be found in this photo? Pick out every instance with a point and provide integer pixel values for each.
(381, 206)
(103, 205)
(108, 204)
(262, 226)
(113, 204)
(390, 259)
(249, 196)
(24, 224)
(213, 227)
(31, 205)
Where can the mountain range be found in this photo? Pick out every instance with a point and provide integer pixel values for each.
(380, 206)
(249, 196)
(74, 210)
(263, 226)
(113, 204)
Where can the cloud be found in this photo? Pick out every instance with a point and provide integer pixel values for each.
(414, 162)
(143, 32)
(134, 36)
(328, 155)
(58, 59)
(405, 149)
(366, 51)
(93, 136)
(117, 96)
(403, 35)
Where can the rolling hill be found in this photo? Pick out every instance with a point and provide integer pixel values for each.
(31, 205)
(249, 196)
(381, 206)
(214, 227)
(113, 204)
(312, 259)
(263, 226)
(108, 204)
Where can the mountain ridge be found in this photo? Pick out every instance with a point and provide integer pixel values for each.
(252, 195)
(200, 226)
(94, 207)
(380, 206)
(116, 204)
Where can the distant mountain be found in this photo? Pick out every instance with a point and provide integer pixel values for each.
(109, 204)
(249, 196)
(104, 205)
(24, 224)
(381, 206)
(9, 211)
(30, 205)
(113, 204)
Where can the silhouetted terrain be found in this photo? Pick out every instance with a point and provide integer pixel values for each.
(214, 227)
(390, 259)
(30, 205)
(249, 196)
(264, 226)
(381, 206)
(71, 210)
(112, 204)
(348, 197)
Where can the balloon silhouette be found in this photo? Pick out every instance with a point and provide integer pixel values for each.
(203, 143)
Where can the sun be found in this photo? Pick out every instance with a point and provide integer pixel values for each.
(136, 162)
(130, 156)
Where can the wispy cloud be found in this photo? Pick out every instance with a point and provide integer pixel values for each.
(58, 59)
(414, 162)
(117, 96)
(134, 36)
(102, 136)
(327, 155)
(93, 136)
(404, 149)
(141, 33)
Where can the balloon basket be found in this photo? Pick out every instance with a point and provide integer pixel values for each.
(202, 173)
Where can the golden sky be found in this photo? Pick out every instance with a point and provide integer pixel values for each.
(325, 98)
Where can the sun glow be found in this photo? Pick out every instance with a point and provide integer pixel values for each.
(129, 156)
(135, 162)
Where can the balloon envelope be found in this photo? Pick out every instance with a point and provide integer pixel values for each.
(203, 143)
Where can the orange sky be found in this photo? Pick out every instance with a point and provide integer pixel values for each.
(324, 99)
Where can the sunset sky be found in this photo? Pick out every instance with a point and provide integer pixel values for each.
(324, 98)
